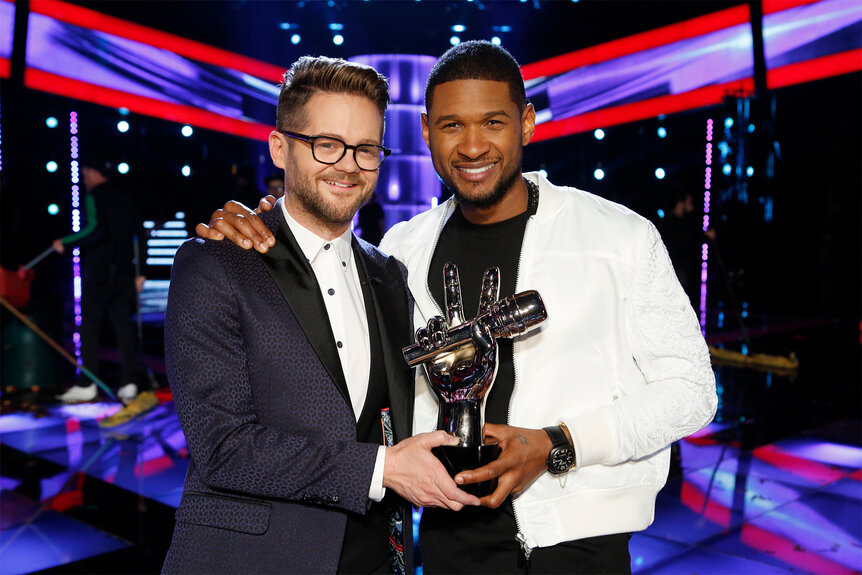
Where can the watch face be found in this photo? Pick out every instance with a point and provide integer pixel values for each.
(561, 460)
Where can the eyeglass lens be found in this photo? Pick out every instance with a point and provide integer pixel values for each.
(330, 151)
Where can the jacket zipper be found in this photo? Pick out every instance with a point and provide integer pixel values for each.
(519, 536)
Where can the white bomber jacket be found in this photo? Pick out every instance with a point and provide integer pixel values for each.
(620, 360)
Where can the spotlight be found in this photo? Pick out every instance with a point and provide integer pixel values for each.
(295, 39)
(751, 128)
(180, 216)
(338, 39)
(454, 40)
(458, 28)
(749, 171)
(495, 40)
(123, 168)
(659, 173)
(123, 111)
(599, 134)
(285, 25)
(187, 171)
(544, 173)
(187, 131)
(726, 169)
(599, 174)
(51, 166)
(334, 26)
(660, 213)
(662, 133)
(53, 209)
(51, 122)
(728, 122)
(122, 126)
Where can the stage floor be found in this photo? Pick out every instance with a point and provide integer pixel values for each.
(774, 485)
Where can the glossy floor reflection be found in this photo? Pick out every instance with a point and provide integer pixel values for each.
(774, 485)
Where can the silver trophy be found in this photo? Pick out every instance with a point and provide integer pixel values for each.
(460, 360)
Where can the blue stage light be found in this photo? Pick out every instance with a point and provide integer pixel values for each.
(51, 166)
(285, 25)
(599, 134)
(53, 209)
(662, 133)
(749, 171)
(660, 213)
(659, 173)
(187, 171)
(123, 168)
(338, 39)
(454, 40)
(599, 174)
(187, 131)
(728, 122)
(295, 39)
(51, 122)
(751, 128)
(123, 111)
(726, 169)
(335, 26)
(543, 173)
(458, 28)
(122, 126)
(495, 40)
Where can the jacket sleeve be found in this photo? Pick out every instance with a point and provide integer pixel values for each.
(91, 233)
(207, 364)
(664, 335)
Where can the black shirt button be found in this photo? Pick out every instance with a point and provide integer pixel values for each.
(330, 291)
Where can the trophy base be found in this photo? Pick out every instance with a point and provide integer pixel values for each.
(456, 458)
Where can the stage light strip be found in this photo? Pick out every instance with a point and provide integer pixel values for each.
(76, 89)
(87, 18)
(704, 248)
(637, 43)
(652, 39)
(74, 170)
(5, 68)
(792, 74)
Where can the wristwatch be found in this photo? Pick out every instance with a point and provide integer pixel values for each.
(562, 455)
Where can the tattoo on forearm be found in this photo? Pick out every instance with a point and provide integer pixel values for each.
(523, 439)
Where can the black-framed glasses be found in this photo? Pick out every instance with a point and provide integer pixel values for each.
(329, 150)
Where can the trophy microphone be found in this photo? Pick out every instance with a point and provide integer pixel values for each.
(514, 315)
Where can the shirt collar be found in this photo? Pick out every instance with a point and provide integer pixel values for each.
(312, 245)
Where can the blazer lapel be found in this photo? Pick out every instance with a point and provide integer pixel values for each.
(388, 295)
(296, 280)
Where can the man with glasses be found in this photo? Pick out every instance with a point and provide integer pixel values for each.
(284, 366)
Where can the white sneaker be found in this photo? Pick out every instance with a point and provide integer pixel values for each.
(127, 393)
(78, 394)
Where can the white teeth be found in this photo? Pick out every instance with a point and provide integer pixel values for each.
(340, 185)
(477, 170)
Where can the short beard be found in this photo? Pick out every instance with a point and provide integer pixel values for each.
(311, 201)
(496, 195)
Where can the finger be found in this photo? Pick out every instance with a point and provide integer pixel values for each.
(208, 233)
(452, 288)
(266, 203)
(483, 340)
(236, 207)
(240, 230)
(490, 289)
(495, 499)
(480, 474)
(457, 497)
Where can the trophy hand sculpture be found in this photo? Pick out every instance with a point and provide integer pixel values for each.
(460, 359)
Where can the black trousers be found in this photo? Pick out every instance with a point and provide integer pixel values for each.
(480, 540)
(117, 304)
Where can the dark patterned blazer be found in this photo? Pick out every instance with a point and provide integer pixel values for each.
(275, 466)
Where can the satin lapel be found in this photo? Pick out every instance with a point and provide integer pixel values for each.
(296, 280)
(387, 293)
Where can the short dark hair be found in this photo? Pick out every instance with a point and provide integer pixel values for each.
(97, 160)
(312, 75)
(478, 60)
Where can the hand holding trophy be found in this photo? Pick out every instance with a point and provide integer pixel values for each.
(460, 359)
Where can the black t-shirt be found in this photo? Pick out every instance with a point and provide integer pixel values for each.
(467, 536)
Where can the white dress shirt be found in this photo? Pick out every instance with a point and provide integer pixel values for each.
(335, 269)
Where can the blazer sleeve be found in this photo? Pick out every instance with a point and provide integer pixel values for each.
(207, 365)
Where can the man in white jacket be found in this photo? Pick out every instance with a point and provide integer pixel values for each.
(617, 373)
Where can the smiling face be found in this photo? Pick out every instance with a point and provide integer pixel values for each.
(476, 136)
(321, 197)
